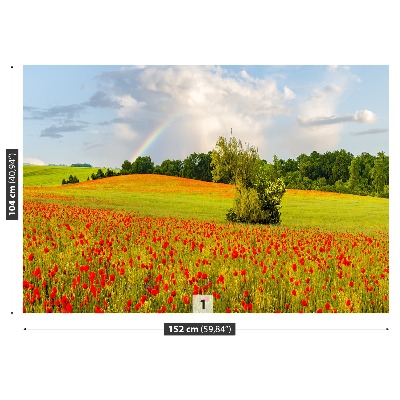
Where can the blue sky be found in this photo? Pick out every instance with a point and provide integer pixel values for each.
(103, 115)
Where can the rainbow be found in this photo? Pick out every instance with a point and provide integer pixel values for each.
(152, 137)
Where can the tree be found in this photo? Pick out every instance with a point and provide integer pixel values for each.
(289, 165)
(109, 173)
(380, 173)
(169, 167)
(258, 192)
(197, 166)
(234, 164)
(143, 165)
(126, 168)
(360, 174)
(327, 161)
(340, 169)
(71, 179)
(100, 174)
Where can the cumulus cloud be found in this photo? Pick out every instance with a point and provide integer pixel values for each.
(204, 102)
(365, 117)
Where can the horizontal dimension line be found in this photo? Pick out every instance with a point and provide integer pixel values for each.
(93, 329)
(238, 329)
(312, 329)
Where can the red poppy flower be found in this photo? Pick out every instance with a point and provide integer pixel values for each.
(294, 292)
(68, 308)
(186, 299)
(327, 306)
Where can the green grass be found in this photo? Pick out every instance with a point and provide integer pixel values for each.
(338, 212)
(154, 197)
(48, 176)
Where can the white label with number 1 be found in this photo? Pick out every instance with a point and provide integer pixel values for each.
(202, 303)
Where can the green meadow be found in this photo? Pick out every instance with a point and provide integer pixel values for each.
(156, 195)
(48, 176)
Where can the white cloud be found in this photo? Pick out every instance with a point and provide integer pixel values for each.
(206, 101)
(288, 93)
(365, 117)
(34, 161)
(244, 74)
(319, 125)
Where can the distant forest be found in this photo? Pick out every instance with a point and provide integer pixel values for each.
(337, 171)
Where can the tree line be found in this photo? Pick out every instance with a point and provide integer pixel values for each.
(334, 171)
(337, 171)
(195, 166)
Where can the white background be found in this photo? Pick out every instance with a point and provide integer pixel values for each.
(127, 356)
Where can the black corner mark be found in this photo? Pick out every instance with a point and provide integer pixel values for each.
(12, 312)
(387, 329)
(24, 329)
(12, 66)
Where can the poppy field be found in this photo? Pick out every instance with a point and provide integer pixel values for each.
(83, 258)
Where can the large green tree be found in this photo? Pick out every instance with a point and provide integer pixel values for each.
(169, 167)
(360, 174)
(197, 166)
(126, 168)
(340, 168)
(233, 163)
(380, 173)
(258, 190)
(143, 165)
